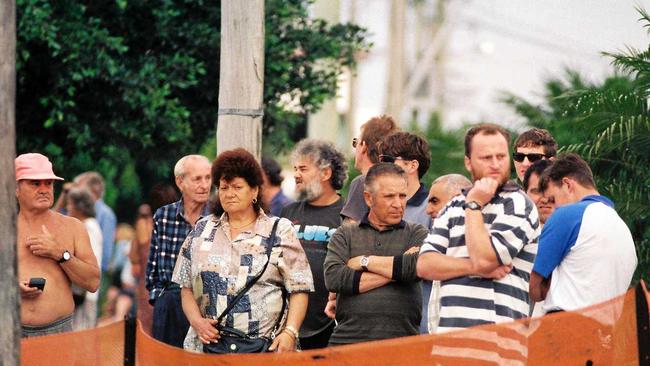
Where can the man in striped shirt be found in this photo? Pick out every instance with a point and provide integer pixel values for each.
(484, 233)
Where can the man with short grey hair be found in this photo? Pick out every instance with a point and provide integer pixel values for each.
(320, 171)
(372, 265)
(172, 223)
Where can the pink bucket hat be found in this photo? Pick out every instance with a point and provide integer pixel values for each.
(34, 166)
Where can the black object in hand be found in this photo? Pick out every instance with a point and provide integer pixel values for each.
(37, 282)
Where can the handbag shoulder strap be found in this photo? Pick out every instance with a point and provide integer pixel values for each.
(269, 247)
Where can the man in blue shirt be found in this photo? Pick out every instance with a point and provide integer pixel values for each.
(583, 238)
(172, 224)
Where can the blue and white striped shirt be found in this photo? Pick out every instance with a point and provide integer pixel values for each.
(513, 224)
(170, 228)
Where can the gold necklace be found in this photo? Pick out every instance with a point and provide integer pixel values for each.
(243, 226)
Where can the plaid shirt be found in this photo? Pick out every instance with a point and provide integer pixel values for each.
(170, 228)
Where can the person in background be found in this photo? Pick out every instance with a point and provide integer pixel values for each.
(105, 216)
(80, 205)
(272, 194)
(161, 194)
(320, 171)
(411, 153)
(227, 248)
(545, 207)
(120, 297)
(443, 189)
(171, 225)
(531, 146)
(366, 155)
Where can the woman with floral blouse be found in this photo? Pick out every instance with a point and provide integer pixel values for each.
(226, 249)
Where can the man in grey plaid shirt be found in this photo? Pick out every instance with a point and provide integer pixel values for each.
(172, 224)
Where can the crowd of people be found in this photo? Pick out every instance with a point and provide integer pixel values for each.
(248, 269)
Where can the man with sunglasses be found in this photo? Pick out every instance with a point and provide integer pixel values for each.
(411, 153)
(531, 146)
(365, 156)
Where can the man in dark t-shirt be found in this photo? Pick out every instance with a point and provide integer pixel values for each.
(320, 170)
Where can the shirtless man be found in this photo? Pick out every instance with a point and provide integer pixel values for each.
(51, 246)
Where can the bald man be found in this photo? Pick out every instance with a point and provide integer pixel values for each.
(443, 189)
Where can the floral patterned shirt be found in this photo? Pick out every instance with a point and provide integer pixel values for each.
(216, 266)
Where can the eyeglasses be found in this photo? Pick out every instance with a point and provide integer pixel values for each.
(533, 157)
(384, 158)
(355, 142)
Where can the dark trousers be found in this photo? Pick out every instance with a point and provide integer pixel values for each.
(169, 322)
(319, 340)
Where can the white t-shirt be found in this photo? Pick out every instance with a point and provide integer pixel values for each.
(590, 253)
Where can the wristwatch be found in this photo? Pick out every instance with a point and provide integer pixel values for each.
(365, 260)
(65, 257)
(472, 205)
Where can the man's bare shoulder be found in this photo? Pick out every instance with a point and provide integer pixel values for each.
(63, 221)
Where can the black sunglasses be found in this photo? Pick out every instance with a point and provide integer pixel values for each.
(355, 142)
(533, 157)
(384, 158)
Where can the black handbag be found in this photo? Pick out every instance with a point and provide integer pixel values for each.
(233, 340)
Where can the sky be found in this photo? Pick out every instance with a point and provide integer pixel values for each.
(497, 46)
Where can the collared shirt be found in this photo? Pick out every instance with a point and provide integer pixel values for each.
(107, 222)
(216, 267)
(416, 208)
(513, 225)
(389, 311)
(170, 228)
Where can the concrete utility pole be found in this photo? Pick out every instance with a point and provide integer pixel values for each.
(9, 299)
(395, 94)
(241, 76)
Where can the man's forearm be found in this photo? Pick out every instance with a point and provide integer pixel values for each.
(381, 265)
(538, 286)
(436, 266)
(82, 274)
(479, 245)
(370, 281)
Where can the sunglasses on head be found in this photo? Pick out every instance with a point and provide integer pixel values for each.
(533, 157)
(385, 158)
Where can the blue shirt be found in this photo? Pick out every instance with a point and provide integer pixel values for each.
(107, 222)
(278, 202)
(589, 251)
(170, 228)
(561, 233)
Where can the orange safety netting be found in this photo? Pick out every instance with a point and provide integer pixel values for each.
(98, 346)
(603, 334)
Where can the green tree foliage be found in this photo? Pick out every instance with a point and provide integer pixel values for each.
(608, 124)
(128, 87)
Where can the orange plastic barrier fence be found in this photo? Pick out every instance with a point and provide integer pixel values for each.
(99, 346)
(604, 334)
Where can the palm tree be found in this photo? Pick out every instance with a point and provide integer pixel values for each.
(609, 125)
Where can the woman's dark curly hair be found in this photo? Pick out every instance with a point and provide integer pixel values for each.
(237, 163)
